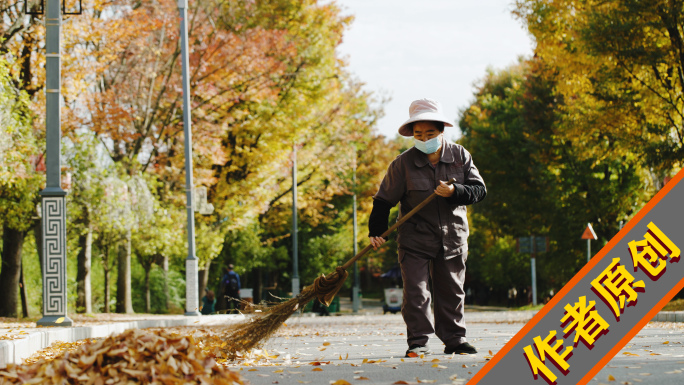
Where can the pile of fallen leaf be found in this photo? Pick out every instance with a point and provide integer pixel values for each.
(135, 356)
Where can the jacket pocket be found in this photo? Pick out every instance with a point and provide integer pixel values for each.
(420, 185)
(456, 174)
(417, 191)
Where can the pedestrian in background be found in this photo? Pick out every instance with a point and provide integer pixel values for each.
(208, 302)
(231, 282)
(432, 243)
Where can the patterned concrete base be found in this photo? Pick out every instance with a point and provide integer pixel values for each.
(15, 351)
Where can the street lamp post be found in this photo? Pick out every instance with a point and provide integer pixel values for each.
(53, 198)
(295, 256)
(191, 269)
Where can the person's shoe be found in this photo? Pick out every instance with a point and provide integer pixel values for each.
(464, 348)
(418, 350)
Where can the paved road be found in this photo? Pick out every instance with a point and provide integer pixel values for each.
(369, 349)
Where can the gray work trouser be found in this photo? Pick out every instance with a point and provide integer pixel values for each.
(447, 283)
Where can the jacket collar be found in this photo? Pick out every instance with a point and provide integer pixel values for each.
(420, 159)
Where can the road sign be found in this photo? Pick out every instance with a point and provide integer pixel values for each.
(589, 233)
(533, 244)
(540, 244)
(525, 245)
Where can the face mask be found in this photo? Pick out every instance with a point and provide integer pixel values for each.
(429, 146)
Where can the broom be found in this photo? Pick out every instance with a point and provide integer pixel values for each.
(249, 334)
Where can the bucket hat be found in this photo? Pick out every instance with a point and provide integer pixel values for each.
(420, 110)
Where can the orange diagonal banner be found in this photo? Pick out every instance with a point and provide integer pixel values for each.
(604, 306)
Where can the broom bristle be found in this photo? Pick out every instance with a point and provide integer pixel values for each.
(251, 333)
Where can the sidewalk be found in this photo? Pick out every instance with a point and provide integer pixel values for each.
(19, 340)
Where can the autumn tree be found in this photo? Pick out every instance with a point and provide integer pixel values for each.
(619, 66)
(87, 190)
(18, 185)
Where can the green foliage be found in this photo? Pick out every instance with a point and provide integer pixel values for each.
(19, 183)
(158, 298)
(537, 183)
(32, 278)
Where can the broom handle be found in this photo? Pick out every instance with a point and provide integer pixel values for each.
(394, 226)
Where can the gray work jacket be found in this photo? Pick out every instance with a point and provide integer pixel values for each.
(410, 179)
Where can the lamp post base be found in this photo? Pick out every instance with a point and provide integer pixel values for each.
(55, 321)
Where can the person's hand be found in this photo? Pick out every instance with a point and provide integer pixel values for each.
(444, 190)
(376, 242)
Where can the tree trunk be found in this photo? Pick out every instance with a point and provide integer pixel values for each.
(12, 243)
(38, 235)
(107, 291)
(104, 249)
(83, 289)
(259, 286)
(124, 302)
(204, 279)
(165, 268)
(148, 305)
(22, 290)
(368, 276)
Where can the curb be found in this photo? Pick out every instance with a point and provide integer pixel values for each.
(669, 316)
(15, 351)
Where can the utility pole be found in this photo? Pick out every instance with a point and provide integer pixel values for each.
(191, 269)
(295, 261)
(356, 289)
(53, 198)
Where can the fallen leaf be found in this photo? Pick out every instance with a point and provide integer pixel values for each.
(326, 343)
(611, 378)
(362, 378)
(400, 383)
(340, 382)
(319, 363)
(490, 353)
(316, 370)
(59, 320)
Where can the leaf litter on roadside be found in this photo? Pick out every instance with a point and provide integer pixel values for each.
(140, 356)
